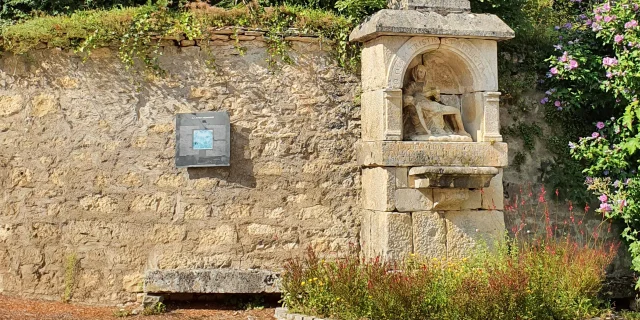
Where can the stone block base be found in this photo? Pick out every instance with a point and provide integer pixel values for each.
(386, 235)
(393, 236)
(211, 281)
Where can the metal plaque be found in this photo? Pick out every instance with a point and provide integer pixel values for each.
(203, 139)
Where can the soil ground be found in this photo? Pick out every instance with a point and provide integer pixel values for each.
(25, 309)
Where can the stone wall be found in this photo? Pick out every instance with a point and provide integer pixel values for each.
(87, 171)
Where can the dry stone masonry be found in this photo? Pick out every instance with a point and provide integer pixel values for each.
(88, 176)
(431, 149)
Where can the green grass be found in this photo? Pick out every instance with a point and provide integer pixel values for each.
(108, 26)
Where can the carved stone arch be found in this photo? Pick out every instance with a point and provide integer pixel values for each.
(481, 77)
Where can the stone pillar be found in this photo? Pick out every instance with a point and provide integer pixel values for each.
(433, 194)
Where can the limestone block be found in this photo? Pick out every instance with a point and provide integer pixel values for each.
(378, 189)
(390, 235)
(402, 177)
(412, 22)
(429, 234)
(491, 116)
(449, 199)
(472, 114)
(132, 282)
(382, 115)
(474, 201)
(431, 5)
(409, 200)
(149, 301)
(426, 153)
(468, 228)
(366, 247)
(376, 57)
(10, 105)
(43, 104)
(493, 196)
(451, 177)
(211, 281)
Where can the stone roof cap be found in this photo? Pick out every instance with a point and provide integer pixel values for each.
(412, 23)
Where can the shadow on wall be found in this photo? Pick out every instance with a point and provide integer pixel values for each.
(241, 169)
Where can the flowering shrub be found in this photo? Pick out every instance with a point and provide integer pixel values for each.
(543, 280)
(552, 273)
(598, 67)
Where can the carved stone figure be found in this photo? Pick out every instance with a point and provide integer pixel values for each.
(425, 117)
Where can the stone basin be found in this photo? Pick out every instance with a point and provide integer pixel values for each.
(451, 177)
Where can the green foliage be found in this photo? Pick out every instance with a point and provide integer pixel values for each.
(596, 72)
(540, 280)
(156, 309)
(70, 271)
(138, 30)
(527, 132)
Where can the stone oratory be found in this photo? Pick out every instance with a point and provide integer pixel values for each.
(431, 150)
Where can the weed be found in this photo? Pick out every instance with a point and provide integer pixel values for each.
(70, 270)
(156, 309)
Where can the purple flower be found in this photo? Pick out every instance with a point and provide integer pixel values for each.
(606, 172)
(557, 27)
(565, 57)
(603, 198)
(557, 103)
(618, 38)
(616, 183)
(559, 108)
(631, 24)
(572, 145)
(558, 47)
(573, 64)
(568, 25)
(598, 17)
(608, 19)
(605, 207)
(609, 75)
(636, 7)
(596, 27)
(600, 125)
(595, 135)
(609, 62)
(554, 71)
(588, 180)
(544, 100)
(606, 7)
(548, 92)
(589, 22)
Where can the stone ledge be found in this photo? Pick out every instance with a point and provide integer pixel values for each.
(425, 153)
(211, 281)
(411, 22)
(452, 177)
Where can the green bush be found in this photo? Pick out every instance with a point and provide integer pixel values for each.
(541, 280)
(596, 72)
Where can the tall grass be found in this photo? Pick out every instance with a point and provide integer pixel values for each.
(546, 275)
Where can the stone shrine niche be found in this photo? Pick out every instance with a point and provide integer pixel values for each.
(432, 93)
(431, 150)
